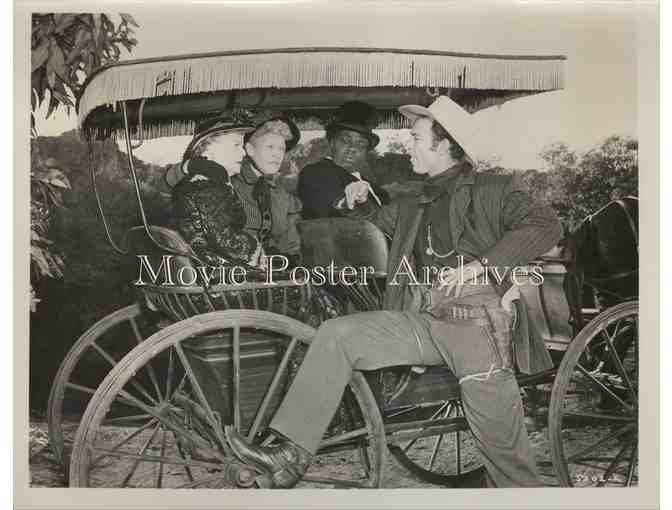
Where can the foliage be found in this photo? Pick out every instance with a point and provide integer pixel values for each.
(577, 185)
(95, 279)
(66, 48)
(47, 183)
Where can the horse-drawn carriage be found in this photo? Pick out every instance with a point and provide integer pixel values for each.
(185, 360)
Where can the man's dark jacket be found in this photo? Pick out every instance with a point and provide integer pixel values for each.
(509, 229)
(321, 183)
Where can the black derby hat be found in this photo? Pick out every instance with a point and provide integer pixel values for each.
(356, 116)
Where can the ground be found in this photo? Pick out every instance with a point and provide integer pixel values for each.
(45, 471)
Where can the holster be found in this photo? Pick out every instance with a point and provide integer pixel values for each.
(501, 327)
(497, 322)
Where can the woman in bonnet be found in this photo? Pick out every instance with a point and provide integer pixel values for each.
(209, 213)
(271, 212)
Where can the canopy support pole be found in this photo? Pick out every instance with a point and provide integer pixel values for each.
(136, 185)
(100, 204)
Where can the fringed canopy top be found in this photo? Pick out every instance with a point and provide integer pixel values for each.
(308, 84)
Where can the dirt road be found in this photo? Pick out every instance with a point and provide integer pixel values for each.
(45, 471)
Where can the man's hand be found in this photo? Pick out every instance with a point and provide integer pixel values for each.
(259, 258)
(356, 193)
(451, 280)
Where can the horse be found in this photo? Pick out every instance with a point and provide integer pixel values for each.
(603, 258)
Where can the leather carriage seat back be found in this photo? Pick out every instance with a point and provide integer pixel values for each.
(346, 242)
(145, 251)
(548, 312)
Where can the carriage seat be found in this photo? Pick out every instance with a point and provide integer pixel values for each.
(345, 242)
(171, 243)
(559, 254)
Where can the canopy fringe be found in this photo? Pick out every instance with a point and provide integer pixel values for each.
(387, 119)
(316, 69)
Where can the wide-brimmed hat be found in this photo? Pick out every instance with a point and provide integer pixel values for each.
(276, 124)
(227, 122)
(459, 123)
(356, 116)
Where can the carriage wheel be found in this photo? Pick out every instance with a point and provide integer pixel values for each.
(594, 403)
(178, 441)
(441, 450)
(85, 366)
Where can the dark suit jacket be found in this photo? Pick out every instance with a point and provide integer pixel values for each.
(321, 183)
(510, 229)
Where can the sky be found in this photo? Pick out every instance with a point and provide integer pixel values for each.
(599, 41)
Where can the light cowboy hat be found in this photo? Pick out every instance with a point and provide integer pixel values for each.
(459, 123)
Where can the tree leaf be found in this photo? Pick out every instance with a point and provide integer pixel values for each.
(127, 44)
(37, 255)
(51, 76)
(63, 22)
(82, 40)
(53, 105)
(129, 19)
(57, 61)
(39, 56)
(96, 29)
(59, 183)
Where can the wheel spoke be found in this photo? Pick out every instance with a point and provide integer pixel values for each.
(126, 439)
(106, 356)
(181, 453)
(607, 417)
(122, 419)
(153, 458)
(139, 455)
(601, 385)
(458, 448)
(201, 397)
(341, 438)
(403, 411)
(612, 466)
(159, 475)
(439, 439)
(435, 451)
(172, 425)
(631, 466)
(600, 442)
(79, 387)
(333, 481)
(619, 367)
(275, 383)
(236, 378)
(448, 404)
(169, 374)
(91, 391)
(150, 368)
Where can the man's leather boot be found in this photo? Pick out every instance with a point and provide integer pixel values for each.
(285, 463)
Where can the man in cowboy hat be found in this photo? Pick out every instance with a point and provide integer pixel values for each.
(350, 138)
(459, 320)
